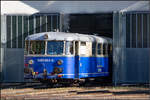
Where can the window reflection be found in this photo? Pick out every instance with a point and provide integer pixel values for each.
(69, 48)
(55, 47)
(99, 49)
(35, 47)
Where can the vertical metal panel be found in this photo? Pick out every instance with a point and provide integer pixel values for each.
(14, 69)
(52, 23)
(148, 30)
(46, 24)
(14, 25)
(57, 23)
(0, 53)
(20, 39)
(60, 22)
(139, 30)
(16, 31)
(116, 50)
(145, 31)
(130, 30)
(28, 24)
(11, 31)
(3, 45)
(43, 25)
(37, 23)
(25, 26)
(31, 25)
(121, 52)
(137, 65)
(40, 24)
(34, 26)
(136, 30)
(142, 29)
(120, 30)
(22, 32)
(8, 26)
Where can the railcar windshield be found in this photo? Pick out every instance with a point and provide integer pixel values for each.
(55, 47)
(35, 47)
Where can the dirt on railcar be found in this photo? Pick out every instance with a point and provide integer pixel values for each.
(18, 91)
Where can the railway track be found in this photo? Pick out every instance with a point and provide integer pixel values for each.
(42, 91)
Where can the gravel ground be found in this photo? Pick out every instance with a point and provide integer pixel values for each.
(34, 91)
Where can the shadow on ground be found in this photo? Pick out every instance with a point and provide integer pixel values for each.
(86, 87)
(116, 93)
(38, 85)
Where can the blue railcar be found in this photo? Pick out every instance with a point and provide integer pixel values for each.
(71, 56)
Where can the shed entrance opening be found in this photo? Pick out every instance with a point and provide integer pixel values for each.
(98, 24)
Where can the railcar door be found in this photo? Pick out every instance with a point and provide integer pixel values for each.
(77, 59)
(83, 61)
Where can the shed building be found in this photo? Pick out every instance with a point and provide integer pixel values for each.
(127, 22)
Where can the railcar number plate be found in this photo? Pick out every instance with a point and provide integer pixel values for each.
(45, 60)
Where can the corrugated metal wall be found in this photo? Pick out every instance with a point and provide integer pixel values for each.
(131, 53)
(15, 29)
(0, 53)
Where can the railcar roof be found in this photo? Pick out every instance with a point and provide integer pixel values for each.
(68, 36)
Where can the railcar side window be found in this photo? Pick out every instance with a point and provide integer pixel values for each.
(104, 49)
(109, 49)
(37, 47)
(99, 49)
(76, 48)
(83, 48)
(93, 48)
(69, 48)
(83, 43)
(55, 47)
(26, 47)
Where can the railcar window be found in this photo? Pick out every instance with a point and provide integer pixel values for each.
(26, 47)
(109, 49)
(83, 43)
(55, 47)
(69, 48)
(76, 47)
(83, 49)
(37, 47)
(104, 49)
(99, 49)
(94, 48)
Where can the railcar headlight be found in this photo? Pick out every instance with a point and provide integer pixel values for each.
(59, 62)
(31, 61)
(57, 70)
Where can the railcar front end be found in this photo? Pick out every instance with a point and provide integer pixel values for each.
(49, 60)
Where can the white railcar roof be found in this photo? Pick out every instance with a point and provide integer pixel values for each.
(69, 37)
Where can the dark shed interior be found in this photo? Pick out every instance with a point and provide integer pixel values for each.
(100, 24)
